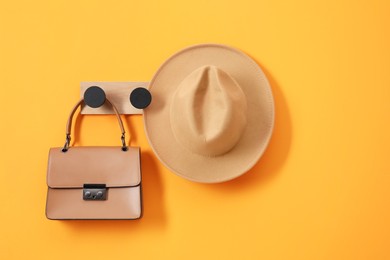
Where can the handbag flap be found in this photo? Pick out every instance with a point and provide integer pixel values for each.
(93, 165)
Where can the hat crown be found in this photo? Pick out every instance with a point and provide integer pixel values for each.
(208, 112)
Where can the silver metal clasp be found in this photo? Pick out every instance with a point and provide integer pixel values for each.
(95, 192)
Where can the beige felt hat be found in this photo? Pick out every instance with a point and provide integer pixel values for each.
(212, 113)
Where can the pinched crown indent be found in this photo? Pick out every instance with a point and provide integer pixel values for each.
(208, 112)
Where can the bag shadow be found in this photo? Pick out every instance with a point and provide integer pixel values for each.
(152, 197)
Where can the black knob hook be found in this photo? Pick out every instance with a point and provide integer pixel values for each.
(140, 98)
(94, 97)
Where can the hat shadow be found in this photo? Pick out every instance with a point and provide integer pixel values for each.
(268, 167)
(152, 199)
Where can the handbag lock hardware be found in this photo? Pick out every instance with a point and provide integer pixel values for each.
(95, 192)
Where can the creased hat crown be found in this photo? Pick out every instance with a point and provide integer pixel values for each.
(208, 112)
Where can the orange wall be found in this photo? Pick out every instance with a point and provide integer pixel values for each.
(321, 191)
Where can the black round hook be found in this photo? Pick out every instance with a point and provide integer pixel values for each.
(94, 97)
(140, 98)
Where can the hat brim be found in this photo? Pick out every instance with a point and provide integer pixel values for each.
(260, 114)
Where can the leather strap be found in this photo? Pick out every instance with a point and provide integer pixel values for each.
(70, 119)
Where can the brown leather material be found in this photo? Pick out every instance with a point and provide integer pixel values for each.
(121, 203)
(93, 165)
(69, 171)
(117, 171)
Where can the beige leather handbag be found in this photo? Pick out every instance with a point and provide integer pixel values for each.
(94, 182)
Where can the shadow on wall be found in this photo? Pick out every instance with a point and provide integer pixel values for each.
(152, 196)
(277, 151)
(153, 193)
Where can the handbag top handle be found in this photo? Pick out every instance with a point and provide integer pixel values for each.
(70, 119)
